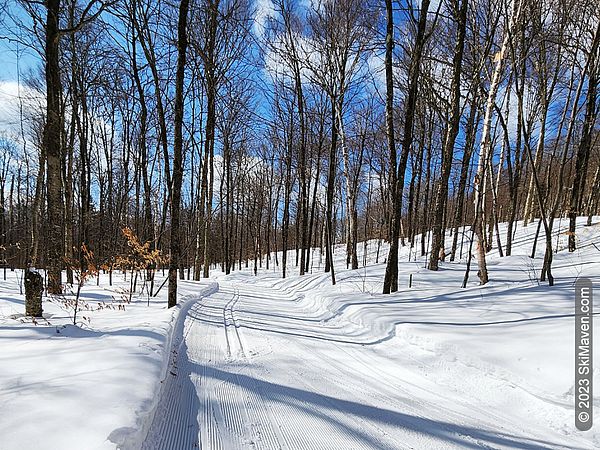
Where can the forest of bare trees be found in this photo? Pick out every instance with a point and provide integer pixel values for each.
(240, 133)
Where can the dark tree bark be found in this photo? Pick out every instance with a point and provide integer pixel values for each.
(53, 150)
(470, 131)
(390, 283)
(34, 287)
(585, 143)
(391, 270)
(211, 98)
(329, 223)
(182, 43)
(287, 191)
(441, 198)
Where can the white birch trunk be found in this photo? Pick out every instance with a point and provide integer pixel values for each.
(479, 181)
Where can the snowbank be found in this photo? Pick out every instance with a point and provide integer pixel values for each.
(87, 387)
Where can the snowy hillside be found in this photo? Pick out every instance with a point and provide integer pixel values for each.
(257, 362)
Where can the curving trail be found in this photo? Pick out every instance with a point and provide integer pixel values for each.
(255, 370)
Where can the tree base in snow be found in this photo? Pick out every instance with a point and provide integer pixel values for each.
(34, 287)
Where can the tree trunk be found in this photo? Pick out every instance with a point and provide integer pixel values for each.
(585, 143)
(34, 287)
(174, 261)
(53, 149)
(471, 130)
(329, 226)
(452, 132)
(390, 283)
(484, 156)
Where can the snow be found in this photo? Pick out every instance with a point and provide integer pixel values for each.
(90, 387)
(260, 362)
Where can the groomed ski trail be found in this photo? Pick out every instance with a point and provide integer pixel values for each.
(254, 370)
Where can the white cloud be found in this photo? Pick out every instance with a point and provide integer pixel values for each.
(264, 10)
(376, 66)
(16, 102)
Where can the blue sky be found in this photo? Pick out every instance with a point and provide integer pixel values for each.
(8, 60)
(8, 50)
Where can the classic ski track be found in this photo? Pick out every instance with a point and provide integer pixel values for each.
(274, 434)
(378, 433)
(250, 424)
(392, 388)
(236, 326)
(229, 323)
(349, 441)
(349, 386)
(217, 400)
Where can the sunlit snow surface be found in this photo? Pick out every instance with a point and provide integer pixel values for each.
(265, 363)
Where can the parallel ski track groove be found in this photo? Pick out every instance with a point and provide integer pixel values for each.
(356, 444)
(272, 432)
(417, 407)
(233, 412)
(380, 434)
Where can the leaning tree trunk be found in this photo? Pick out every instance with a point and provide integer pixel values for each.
(486, 144)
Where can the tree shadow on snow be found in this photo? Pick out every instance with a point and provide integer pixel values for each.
(325, 407)
(175, 423)
(73, 331)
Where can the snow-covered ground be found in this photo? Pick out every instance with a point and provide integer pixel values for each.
(260, 362)
(84, 387)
